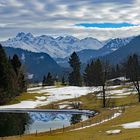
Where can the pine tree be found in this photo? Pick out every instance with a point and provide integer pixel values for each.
(93, 73)
(48, 81)
(63, 80)
(96, 75)
(7, 77)
(75, 76)
(44, 81)
(132, 69)
(12, 79)
(86, 75)
(16, 64)
(20, 76)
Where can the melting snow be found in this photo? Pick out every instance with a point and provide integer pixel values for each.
(131, 125)
(55, 94)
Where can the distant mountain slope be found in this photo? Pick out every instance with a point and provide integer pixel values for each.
(88, 54)
(36, 64)
(59, 47)
(121, 54)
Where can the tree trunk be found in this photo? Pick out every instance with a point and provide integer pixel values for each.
(104, 98)
(139, 96)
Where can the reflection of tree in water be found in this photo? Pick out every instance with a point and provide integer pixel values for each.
(13, 123)
(76, 118)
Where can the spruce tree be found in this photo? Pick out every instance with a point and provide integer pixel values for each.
(16, 63)
(44, 81)
(96, 75)
(63, 80)
(20, 76)
(48, 81)
(132, 69)
(75, 76)
(7, 78)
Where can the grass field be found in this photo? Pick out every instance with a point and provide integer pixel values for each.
(131, 114)
(97, 132)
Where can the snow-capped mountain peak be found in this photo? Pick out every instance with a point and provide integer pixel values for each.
(59, 47)
(62, 46)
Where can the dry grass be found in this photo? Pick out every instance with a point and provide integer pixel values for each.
(25, 96)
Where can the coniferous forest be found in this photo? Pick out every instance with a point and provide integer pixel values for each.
(12, 77)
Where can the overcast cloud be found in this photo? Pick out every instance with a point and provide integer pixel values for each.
(60, 17)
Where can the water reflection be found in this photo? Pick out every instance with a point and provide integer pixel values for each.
(13, 124)
(23, 123)
(75, 118)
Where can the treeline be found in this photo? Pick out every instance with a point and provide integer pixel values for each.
(12, 77)
(92, 76)
(98, 72)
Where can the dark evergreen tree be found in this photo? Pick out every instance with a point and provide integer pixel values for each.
(86, 76)
(16, 64)
(20, 76)
(75, 76)
(118, 71)
(96, 75)
(22, 83)
(7, 77)
(63, 81)
(93, 73)
(44, 81)
(12, 82)
(132, 70)
(48, 81)
(14, 123)
(76, 118)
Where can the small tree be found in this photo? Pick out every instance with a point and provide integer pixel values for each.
(96, 75)
(16, 64)
(63, 81)
(44, 81)
(20, 76)
(75, 76)
(133, 71)
(7, 78)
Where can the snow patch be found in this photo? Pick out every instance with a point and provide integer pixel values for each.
(110, 132)
(105, 120)
(131, 125)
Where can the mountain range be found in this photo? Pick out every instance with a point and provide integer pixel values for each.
(59, 47)
(118, 56)
(86, 55)
(43, 54)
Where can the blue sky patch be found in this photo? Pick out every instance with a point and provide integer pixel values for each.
(106, 25)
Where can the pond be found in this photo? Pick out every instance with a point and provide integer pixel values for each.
(25, 123)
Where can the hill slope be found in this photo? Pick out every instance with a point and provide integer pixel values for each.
(36, 64)
(122, 53)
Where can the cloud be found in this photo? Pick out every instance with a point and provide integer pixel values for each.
(59, 17)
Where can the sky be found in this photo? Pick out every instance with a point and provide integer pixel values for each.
(101, 19)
